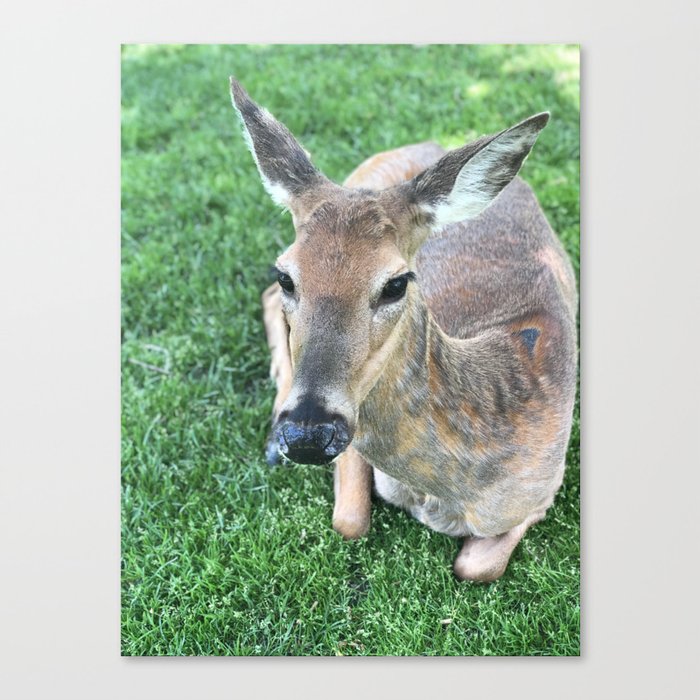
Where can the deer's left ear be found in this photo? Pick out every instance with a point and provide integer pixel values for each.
(465, 181)
(285, 169)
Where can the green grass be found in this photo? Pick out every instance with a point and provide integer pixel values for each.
(221, 554)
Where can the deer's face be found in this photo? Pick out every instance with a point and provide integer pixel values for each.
(345, 286)
(346, 280)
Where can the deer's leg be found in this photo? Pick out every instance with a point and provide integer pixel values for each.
(281, 362)
(352, 481)
(485, 559)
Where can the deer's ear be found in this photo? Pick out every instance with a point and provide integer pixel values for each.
(285, 169)
(465, 181)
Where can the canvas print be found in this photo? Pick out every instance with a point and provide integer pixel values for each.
(350, 419)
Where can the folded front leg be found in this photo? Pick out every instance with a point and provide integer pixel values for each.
(484, 559)
(353, 495)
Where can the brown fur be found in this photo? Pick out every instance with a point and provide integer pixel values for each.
(459, 396)
(394, 167)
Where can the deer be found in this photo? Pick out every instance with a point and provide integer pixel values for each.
(422, 332)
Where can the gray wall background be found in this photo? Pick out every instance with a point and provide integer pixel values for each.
(59, 347)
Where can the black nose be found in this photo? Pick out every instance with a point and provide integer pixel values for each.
(312, 443)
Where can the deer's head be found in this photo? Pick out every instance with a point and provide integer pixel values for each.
(348, 279)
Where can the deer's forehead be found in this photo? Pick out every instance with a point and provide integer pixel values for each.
(345, 240)
(330, 261)
(351, 216)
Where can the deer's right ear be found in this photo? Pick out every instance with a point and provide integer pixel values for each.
(285, 169)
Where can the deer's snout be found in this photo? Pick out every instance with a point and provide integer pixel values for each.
(308, 435)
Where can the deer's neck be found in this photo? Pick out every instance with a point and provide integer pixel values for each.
(405, 377)
(440, 405)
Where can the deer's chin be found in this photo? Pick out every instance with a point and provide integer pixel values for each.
(306, 457)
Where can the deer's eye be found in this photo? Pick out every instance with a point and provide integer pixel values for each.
(285, 281)
(395, 288)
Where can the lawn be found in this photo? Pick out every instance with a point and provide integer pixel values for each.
(221, 554)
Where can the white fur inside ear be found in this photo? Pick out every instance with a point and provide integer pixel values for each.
(279, 194)
(475, 187)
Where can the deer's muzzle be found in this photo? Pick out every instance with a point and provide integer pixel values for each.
(308, 435)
